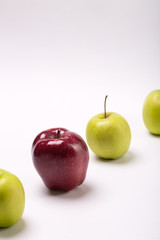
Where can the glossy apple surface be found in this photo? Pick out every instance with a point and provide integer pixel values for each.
(61, 158)
(108, 137)
(151, 112)
(12, 199)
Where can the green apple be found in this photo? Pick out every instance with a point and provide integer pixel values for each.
(108, 134)
(151, 112)
(12, 199)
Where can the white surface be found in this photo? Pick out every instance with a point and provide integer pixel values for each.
(58, 59)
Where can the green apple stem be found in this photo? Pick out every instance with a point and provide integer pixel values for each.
(58, 132)
(105, 114)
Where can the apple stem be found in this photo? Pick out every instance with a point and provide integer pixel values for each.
(105, 114)
(58, 132)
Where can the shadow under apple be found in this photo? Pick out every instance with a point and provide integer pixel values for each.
(14, 230)
(126, 158)
(76, 193)
(154, 135)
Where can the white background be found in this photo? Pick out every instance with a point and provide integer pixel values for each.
(58, 60)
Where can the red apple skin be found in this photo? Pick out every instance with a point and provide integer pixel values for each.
(61, 158)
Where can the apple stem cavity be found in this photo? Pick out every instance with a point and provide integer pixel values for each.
(58, 132)
(105, 114)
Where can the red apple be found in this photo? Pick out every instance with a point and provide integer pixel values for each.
(61, 158)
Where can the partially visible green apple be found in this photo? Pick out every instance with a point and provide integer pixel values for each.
(151, 112)
(108, 135)
(12, 199)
